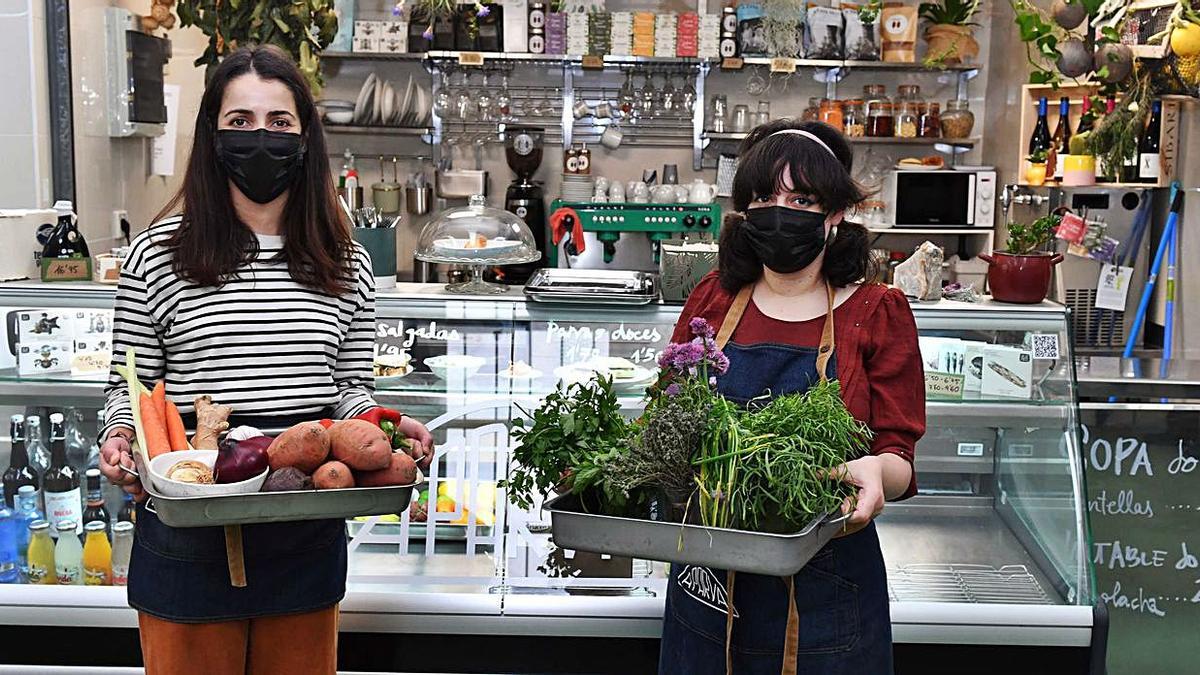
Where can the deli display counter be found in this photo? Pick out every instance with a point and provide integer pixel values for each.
(993, 551)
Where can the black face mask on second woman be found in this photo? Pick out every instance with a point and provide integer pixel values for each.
(786, 240)
(260, 163)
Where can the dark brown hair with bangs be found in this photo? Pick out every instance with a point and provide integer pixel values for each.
(211, 243)
(764, 159)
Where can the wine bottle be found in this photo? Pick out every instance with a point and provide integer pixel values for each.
(1086, 117)
(1149, 157)
(1040, 140)
(95, 510)
(19, 472)
(61, 482)
(1061, 139)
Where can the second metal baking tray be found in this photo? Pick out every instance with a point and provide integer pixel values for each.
(778, 555)
(592, 286)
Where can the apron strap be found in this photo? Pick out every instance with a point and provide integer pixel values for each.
(825, 350)
(734, 315)
(791, 639)
(730, 578)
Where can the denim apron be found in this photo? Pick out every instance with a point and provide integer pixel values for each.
(182, 574)
(839, 622)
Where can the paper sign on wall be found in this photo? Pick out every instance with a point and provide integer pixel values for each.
(162, 148)
(1113, 288)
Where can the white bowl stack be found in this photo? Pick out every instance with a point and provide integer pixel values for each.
(577, 188)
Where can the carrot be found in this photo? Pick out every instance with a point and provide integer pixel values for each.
(159, 396)
(154, 427)
(176, 434)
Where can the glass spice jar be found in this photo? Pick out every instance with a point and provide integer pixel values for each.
(957, 119)
(874, 99)
(929, 124)
(909, 92)
(831, 113)
(854, 119)
(880, 120)
(907, 114)
(812, 112)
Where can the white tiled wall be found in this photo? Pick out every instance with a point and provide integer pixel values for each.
(24, 116)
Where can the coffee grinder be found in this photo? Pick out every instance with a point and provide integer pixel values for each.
(524, 198)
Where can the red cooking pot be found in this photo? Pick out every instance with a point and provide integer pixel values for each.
(1021, 279)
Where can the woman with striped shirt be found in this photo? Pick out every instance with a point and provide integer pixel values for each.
(256, 295)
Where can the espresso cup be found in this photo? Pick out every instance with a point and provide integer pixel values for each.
(612, 137)
(604, 110)
(581, 110)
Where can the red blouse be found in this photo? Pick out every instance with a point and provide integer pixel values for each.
(878, 358)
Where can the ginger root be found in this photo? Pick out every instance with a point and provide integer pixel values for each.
(211, 420)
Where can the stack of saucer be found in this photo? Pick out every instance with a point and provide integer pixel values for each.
(577, 187)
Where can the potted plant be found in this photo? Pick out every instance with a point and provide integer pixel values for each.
(1035, 171)
(301, 29)
(950, 32)
(1022, 273)
(1079, 167)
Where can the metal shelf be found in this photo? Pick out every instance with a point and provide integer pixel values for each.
(861, 65)
(930, 230)
(863, 140)
(376, 130)
(373, 56)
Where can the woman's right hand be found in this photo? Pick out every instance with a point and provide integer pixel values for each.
(114, 454)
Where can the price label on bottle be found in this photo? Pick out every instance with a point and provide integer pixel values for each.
(470, 59)
(783, 64)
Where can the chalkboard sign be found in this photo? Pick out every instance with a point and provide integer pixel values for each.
(1143, 484)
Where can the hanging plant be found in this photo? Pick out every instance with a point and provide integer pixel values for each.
(429, 11)
(781, 25)
(1054, 50)
(301, 28)
(1115, 139)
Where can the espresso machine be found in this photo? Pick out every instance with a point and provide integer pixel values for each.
(524, 198)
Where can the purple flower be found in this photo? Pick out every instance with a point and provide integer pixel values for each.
(482, 10)
(428, 34)
(673, 389)
(701, 328)
(396, 11)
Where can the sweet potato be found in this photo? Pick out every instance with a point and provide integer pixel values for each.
(304, 446)
(333, 475)
(401, 471)
(360, 445)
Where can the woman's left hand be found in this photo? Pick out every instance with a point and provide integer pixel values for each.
(422, 451)
(866, 473)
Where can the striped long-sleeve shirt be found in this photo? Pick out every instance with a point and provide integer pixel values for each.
(261, 342)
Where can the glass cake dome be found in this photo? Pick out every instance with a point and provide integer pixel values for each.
(479, 236)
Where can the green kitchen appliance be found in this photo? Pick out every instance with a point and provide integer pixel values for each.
(637, 224)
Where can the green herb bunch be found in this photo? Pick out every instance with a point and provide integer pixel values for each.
(950, 12)
(568, 443)
(1115, 138)
(1026, 239)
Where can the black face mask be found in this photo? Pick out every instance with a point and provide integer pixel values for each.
(260, 163)
(785, 240)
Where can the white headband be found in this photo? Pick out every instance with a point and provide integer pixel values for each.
(806, 134)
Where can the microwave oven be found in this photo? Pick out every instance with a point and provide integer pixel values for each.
(948, 198)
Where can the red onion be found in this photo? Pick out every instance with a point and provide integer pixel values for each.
(241, 460)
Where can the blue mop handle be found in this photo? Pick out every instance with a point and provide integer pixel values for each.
(1148, 291)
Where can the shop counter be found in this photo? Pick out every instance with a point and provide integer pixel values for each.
(993, 551)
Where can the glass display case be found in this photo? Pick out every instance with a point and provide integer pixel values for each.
(993, 550)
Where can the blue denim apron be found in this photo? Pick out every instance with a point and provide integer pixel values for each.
(182, 575)
(841, 595)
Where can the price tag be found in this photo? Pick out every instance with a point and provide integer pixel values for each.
(593, 62)
(943, 386)
(1112, 290)
(970, 449)
(66, 269)
(783, 64)
(735, 63)
(470, 58)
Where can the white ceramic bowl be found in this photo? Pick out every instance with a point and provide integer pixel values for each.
(173, 488)
(455, 365)
(339, 116)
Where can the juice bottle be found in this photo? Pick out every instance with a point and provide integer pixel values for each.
(10, 562)
(97, 555)
(27, 513)
(41, 554)
(68, 555)
(122, 547)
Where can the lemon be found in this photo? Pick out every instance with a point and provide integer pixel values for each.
(1185, 39)
(1189, 69)
(445, 505)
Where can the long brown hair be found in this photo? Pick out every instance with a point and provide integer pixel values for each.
(211, 243)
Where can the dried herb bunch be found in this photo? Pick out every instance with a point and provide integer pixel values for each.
(1115, 139)
(660, 456)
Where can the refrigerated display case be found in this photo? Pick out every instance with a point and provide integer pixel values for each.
(992, 551)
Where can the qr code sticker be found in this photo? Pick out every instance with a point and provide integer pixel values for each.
(1045, 346)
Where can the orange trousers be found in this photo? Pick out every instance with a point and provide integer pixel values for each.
(291, 644)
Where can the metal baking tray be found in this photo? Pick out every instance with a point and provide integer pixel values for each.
(592, 286)
(778, 555)
(418, 531)
(280, 507)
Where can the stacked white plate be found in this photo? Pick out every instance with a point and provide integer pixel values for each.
(577, 188)
(379, 103)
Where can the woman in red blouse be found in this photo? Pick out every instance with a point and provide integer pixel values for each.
(790, 299)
